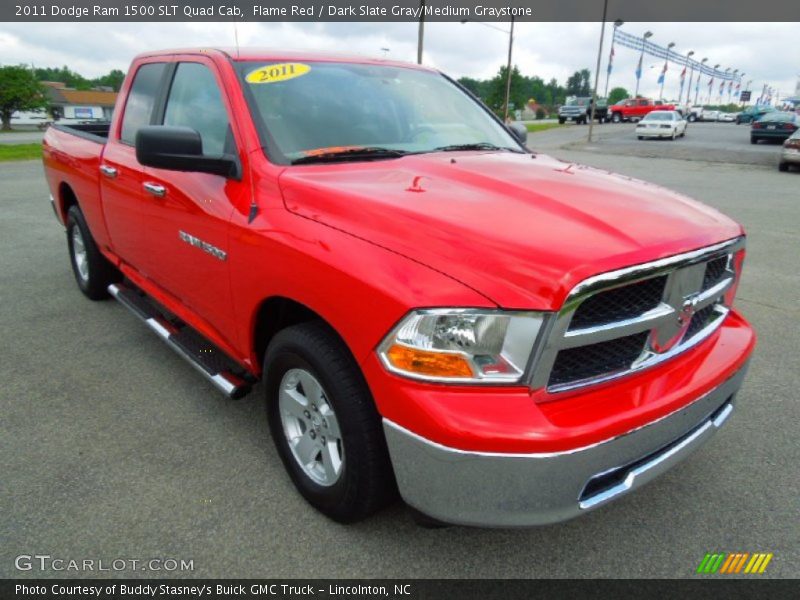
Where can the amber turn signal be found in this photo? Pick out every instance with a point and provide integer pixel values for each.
(425, 362)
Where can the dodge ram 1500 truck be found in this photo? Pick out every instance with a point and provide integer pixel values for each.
(501, 337)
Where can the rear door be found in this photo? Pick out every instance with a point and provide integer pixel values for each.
(121, 173)
(186, 214)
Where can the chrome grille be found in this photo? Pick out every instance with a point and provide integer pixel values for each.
(623, 321)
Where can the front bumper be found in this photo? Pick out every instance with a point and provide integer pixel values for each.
(654, 132)
(495, 489)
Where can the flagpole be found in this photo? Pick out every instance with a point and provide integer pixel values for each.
(647, 34)
(618, 23)
(597, 69)
(691, 75)
(664, 72)
(699, 77)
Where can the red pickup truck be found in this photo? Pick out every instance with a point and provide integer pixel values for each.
(501, 337)
(635, 109)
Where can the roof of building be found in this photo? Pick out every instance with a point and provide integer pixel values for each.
(83, 97)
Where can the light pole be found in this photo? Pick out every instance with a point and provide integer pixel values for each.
(597, 69)
(699, 76)
(617, 24)
(691, 75)
(670, 46)
(722, 87)
(711, 83)
(510, 33)
(420, 31)
(647, 34)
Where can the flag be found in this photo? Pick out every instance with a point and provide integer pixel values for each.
(663, 72)
(611, 60)
(639, 67)
(683, 74)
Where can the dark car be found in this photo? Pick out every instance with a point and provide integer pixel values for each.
(776, 125)
(753, 113)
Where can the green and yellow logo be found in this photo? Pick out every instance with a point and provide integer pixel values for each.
(735, 562)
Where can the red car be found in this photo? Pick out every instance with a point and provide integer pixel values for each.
(505, 338)
(635, 109)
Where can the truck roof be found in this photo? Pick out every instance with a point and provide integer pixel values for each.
(270, 54)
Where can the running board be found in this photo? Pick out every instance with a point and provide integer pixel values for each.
(204, 356)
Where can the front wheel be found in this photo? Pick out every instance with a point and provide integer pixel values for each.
(93, 273)
(783, 166)
(692, 118)
(325, 425)
(616, 118)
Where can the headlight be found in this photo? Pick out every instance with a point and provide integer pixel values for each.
(462, 345)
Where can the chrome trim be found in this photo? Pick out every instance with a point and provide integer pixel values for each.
(108, 171)
(227, 383)
(500, 490)
(682, 298)
(657, 463)
(154, 189)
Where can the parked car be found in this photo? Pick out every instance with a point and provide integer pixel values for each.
(790, 155)
(635, 109)
(433, 308)
(711, 115)
(579, 110)
(753, 113)
(693, 113)
(661, 124)
(775, 125)
(726, 117)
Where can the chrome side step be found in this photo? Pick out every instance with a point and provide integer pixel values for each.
(204, 356)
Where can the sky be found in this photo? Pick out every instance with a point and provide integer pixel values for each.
(766, 52)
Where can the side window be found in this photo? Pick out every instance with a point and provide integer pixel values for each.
(141, 98)
(195, 101)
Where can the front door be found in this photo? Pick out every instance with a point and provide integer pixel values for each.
(186, 215)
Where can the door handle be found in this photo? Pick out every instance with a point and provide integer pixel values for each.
(110, 172)
(155, 189)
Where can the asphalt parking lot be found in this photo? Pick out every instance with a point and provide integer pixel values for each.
(113, 447)
(709, 142)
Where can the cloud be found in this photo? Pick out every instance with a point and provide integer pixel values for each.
(765, 51)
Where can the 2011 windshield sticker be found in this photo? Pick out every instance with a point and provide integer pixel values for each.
(276, 73)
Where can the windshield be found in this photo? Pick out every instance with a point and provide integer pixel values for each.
(322, 108)
(658, 116)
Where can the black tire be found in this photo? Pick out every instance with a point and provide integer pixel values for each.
(561, 121)
(99, 273)
(366, 480)
(616, 118)
(753, 140)
(692, 118)
(641, 137)
(783, 166)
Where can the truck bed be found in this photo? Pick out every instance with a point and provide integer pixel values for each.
(95, 132)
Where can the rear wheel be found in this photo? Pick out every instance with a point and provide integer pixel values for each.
(93, 272)
(783, 166)
(324, 423)
(616, 118)
(692, 118)
(561, 121)
(753, 140)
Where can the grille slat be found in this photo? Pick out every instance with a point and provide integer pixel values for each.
(699, 320)
(715, 271)
(594, 360)
(619, 303)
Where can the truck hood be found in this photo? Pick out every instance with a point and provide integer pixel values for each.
(520, 229)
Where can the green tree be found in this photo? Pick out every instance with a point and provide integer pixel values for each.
(617, 94)
(580, 83)
(496, 95)
(19, 90)
(113, 80)
(64, 75)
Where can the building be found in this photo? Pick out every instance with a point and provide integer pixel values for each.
(68, 103)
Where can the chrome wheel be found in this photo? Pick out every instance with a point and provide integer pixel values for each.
(311, 427)
(79, 255)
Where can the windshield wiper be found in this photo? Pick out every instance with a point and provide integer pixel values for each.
(365, 153)
(475, 146)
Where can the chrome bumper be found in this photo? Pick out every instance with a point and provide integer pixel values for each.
(506, 490)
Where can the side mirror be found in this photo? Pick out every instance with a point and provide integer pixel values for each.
(519, 131)
(180, 149)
